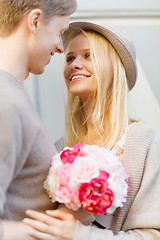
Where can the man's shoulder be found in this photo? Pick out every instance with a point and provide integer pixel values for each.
(12, 91)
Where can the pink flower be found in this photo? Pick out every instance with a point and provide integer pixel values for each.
(69, 196)
(95, 196)
(63, 174)
(69, 155)
(64, 194)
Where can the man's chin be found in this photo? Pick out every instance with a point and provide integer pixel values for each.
(37, 71)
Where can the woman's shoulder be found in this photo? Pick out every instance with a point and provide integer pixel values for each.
(140, 133)
(140, 127)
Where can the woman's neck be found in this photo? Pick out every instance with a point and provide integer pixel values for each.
(92, 134)
(88, 109)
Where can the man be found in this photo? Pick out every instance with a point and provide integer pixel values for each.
(30, 33)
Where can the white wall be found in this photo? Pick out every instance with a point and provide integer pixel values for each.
(117, 4)
(142, 103)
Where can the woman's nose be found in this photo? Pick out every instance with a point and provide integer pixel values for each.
(77, 63)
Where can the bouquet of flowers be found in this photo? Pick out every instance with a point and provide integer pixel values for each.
(87, 176)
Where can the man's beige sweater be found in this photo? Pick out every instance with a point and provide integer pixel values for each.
(25, 153)
(139, 218)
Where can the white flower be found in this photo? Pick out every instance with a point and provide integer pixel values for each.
(84, 169)
(120, 188)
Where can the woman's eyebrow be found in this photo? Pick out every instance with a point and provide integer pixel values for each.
(84, 50)
(69, 53)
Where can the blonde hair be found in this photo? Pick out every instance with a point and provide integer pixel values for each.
(109, 109)
(11, 12)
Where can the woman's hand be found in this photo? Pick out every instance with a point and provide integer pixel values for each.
(81, 214)
(54, 225)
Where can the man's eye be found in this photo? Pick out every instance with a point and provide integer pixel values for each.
(60, 34)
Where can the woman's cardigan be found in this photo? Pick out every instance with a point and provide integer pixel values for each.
(139, 218)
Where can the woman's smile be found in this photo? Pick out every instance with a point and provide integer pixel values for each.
(79, 77)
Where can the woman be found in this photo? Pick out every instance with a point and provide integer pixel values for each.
(100, 68)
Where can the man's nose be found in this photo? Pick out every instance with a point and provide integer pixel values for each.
(59, 48)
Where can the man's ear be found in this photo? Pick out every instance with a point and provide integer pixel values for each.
(34, 18)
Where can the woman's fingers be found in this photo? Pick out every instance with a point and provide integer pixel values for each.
(57, 214)
(42, 217)
(42, 227)
(60, 214)
(56, 223)
(41, 236)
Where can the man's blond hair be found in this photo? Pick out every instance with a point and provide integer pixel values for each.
(12, 11)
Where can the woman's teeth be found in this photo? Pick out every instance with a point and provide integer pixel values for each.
(78, 76)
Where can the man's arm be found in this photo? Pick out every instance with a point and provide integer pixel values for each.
(10, 149)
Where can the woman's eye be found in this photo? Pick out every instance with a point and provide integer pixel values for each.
(87, 55)
(69, 59)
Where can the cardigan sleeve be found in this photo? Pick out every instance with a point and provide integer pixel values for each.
(143, 219)
(94, 233)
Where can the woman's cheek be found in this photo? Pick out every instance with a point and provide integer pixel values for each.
(67, 75)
